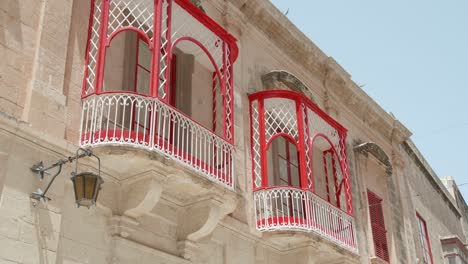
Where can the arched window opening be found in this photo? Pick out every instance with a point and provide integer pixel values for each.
(127, 64)
(283, 170)
(283, 163)
(327, 172)
(195, 88)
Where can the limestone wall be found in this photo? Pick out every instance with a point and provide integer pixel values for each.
(43, 45)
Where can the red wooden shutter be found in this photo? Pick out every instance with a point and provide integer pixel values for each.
(378, 226)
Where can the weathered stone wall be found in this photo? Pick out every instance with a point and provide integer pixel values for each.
(43, 45)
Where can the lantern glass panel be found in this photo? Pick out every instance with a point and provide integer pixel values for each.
(90, 185)
(77, 180)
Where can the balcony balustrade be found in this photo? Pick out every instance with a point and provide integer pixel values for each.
(148, 123)
(286, 208)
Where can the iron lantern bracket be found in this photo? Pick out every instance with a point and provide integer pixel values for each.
(41, 171)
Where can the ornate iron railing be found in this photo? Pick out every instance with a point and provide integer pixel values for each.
(148, 123)
(288, 208)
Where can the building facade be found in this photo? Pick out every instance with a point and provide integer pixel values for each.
(224, 136)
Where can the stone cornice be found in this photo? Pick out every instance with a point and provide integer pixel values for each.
(268, 19)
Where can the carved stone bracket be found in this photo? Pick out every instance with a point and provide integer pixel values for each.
(200, 219)
(141, 194)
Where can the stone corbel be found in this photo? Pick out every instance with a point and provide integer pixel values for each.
(397, 160)
(139, 206)
(233, 18)
(200, 219)
(140, 194)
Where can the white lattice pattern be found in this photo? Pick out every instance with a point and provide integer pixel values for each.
(285, 208)
(163, 55)
(307, 148)
(228, 96)
(280, 117)
(256, 145)
(93, 49)
(134, 13)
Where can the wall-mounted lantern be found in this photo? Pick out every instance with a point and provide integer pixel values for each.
(85, 184)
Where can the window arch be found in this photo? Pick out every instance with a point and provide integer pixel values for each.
(283, 167)
(127, 64)
(194, 84)
(327, 171)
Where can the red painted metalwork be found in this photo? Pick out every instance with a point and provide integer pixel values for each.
(156, 30)
(301, 146)
(379, 233)
(168, 48)
(90, 25)
(262, 146)
(213, 98)
(324, 155)
(260, 163)
(210, 24)
(424, 237)
(102, 46)
(173, 81)
(139, 32)
(154, 80)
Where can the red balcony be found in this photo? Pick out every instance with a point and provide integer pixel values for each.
(300, 168)
(154, 69)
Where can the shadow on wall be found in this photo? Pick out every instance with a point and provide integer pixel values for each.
(76, 50)
(44, 233)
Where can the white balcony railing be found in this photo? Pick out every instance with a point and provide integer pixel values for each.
(148, 123)
(286, 208)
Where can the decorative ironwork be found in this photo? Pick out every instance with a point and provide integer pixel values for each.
(278, 115)
(147, 121)
(128, 119)
(287, 208)
(292, 115)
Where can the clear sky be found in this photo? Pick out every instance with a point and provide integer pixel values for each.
(412, 58)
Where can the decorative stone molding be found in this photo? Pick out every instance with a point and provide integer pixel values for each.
(274, 79)
(397, 160)
(122, 226)
(377, 152)
(233, 19)
(393, 196)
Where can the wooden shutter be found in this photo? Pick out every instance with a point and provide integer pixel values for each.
(379, 233)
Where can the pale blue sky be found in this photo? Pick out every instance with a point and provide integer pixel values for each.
(412, 56)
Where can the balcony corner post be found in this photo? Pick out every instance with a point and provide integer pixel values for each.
(302, 160)
(156, 52)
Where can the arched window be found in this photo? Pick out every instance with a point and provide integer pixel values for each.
(327, 171)
(194, 85)
(127, 64)
(283, 163)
